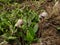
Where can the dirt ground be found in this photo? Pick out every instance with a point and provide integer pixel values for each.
(48, 33)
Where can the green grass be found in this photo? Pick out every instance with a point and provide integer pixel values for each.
(29, 27)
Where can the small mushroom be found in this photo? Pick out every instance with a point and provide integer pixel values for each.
(43, 15)
(19, 23)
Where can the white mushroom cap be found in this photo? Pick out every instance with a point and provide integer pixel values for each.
(43, 14)
(19, 23)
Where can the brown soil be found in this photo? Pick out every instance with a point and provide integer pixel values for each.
(48, 33)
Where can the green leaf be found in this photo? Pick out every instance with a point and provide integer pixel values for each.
(58, 28)
(11, 37)
(29, 37)
(35, 28)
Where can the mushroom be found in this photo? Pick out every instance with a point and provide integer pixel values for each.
(43, 15)
(19, 23)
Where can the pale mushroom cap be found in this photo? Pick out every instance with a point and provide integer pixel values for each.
(19, 23)
(43, 14)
